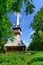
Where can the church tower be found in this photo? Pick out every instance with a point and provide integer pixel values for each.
(17, 28)
(17, 44)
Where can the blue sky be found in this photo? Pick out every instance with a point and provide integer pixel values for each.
(25, 21)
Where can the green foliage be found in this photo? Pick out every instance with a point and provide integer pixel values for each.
(36, 59)
(15, 5)
(12, 59)
(37, 23)
(29, 6)
(37, 37)
(5, 24)
(22, 59)
(5, 31)
(37, 42)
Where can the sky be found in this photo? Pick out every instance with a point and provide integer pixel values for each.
(25, 21)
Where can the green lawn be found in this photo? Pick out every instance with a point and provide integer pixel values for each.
(22, 59)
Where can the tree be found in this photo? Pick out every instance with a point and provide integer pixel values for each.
(37, 37)
(29, 7)
(15, 5)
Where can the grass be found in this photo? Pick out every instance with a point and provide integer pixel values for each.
(13, 59)
(22, 59)
(36, 59)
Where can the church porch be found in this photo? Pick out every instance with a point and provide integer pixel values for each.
(15, 48)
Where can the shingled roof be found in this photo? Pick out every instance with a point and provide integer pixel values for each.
(15, 43)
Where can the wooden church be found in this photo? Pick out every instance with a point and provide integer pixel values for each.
(17, 44)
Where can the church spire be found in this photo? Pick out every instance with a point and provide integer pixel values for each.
(17, 19)
(17, 28)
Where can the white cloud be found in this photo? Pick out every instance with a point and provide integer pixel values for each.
(21, 33)
(27, 44)
(24, 41)
(14, 24)
(32, 32)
